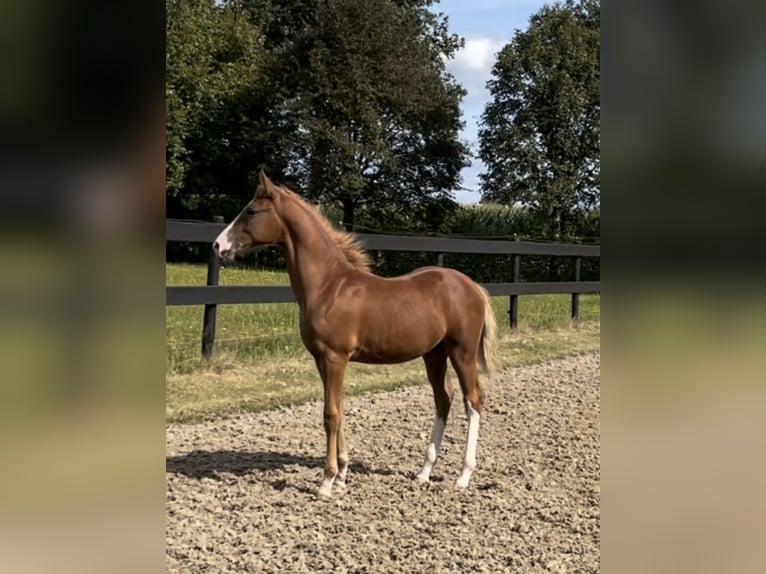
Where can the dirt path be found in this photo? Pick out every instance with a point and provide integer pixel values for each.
(241, 492)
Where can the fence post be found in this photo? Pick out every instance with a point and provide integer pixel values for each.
(440, 259)
(513, 312)
(576, 296)
(208, 321)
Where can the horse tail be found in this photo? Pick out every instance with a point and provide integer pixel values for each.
(488, 342)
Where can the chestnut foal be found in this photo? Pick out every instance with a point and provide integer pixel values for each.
(349, 314)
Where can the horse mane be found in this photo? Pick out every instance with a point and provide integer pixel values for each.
(348, 243)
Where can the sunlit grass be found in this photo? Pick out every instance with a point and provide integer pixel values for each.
(251, 333)
(227, 385)
(260, 363)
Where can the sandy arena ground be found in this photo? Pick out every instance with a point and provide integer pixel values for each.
(241, 492)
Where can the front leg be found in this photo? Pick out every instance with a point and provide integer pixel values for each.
(332, 370)
(340, 480)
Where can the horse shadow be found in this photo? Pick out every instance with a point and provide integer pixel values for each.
(212, 464)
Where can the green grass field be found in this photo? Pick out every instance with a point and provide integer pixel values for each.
(249, 333)
(260, 363)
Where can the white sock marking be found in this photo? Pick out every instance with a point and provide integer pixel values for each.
(432, 451)
(325, 491)
(469, 461)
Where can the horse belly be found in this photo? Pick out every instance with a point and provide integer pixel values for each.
(377, 357)
(390, 338)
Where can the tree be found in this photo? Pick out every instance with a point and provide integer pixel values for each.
(214, 61)
(366, 116)
(540, 134)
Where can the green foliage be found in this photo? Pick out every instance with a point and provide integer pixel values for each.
(501, 221)
(382, 117)
(355, 107)
(214, 60)
(349, 102)
(492, 221)
(540, 136)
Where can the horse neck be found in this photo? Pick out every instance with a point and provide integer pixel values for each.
(312, 257)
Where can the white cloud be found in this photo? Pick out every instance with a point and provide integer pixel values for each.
(472, 67)
(487, 26)
(477, 56)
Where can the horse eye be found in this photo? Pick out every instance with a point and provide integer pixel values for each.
(251, 211)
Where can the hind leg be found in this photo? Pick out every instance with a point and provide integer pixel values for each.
(436, 367)
(464, 361)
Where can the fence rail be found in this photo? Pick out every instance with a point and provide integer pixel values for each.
(213, 294)
(238, 294)
(204, 232)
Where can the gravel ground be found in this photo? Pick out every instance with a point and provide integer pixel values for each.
(241, 492)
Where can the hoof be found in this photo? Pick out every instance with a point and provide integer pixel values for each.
(462, 482)
(325, 491)
(422, 478)
(340, 486)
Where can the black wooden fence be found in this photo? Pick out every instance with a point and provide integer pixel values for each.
(213, 294)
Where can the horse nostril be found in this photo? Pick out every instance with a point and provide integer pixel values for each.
(215, 247)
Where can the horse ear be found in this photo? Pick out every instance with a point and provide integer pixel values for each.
(265, 188)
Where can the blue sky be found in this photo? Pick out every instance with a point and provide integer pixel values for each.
(487, 26)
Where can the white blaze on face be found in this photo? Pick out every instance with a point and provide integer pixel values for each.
(224, 244)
